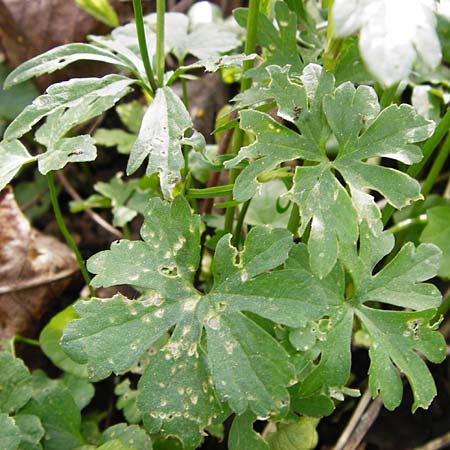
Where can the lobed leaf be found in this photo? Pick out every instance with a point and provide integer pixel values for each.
(159, 139)
(13, 155)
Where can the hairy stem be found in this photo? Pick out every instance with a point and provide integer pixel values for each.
(65, 232)
(250, 46)
(160, 55)
(139, 18)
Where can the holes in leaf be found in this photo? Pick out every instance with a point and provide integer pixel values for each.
(62, 60)
(170, 270)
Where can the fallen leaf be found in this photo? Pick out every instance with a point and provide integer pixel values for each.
(34, 269)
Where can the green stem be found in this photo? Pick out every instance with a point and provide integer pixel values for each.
(437, 166)
(160, 55)
(428, 150)
(65, 232)
(184, 93)
(26, 340)
(405, 224)
(139, 18)
(294, 220)
(334, 45)
(240, 223)
(443, 309)
(238, 138)
(388, 96)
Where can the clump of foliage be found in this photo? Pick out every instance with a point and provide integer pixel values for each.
(243, 318)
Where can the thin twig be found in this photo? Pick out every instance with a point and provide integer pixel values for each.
(436, 444)
(364, 424)
(93, 215)
(353, 422)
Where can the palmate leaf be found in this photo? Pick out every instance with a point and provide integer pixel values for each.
(160, 139)
(351, 115)
(397, 337)
(217, 357)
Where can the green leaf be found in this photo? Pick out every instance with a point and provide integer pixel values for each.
(126, 401)
(167, 265)
(50, 342)
(242, 436)
(351, 117)
(266, 208)
(58, 58)
(101, 10)
(437, 232)
(397, 337)
(299, 435)
(129, 435)
(61, 424)
(93, 94)
(13, 155)
(159, 139)
(15, 389)
(131, 115)
(278, 41)
(175, 393)
(15, 99)
(82, 391)
(10, 434)
(136, 324)
(31, 430)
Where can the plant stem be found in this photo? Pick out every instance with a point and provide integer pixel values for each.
(388, 96)
(160, 55)
(294, 220)
(184, 93)
(65, 232)
(139, 18)
(26, 340)
(428, 149)
(238, 138)
(443, 309)
(437, 166)
(334, 45)
(240, 222)
(405, 224)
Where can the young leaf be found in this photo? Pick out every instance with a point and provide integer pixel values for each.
(437, 232)
(159, 139)
(390, 46)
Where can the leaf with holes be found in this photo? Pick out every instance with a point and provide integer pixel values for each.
(79, 96)
(160, 139)
(350, 116)
(398, 338)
